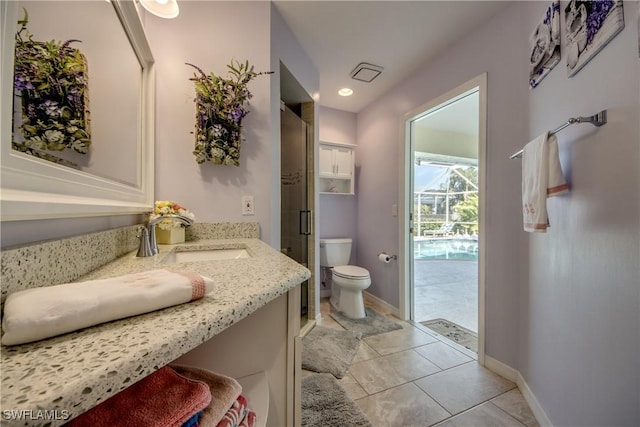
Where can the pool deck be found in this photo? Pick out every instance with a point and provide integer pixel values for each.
(446, 289)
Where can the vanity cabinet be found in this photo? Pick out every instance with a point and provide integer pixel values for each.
(336, 168)
(247, 328)
(264, 345)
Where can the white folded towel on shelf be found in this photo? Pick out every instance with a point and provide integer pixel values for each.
(541, 178)
(38, 313)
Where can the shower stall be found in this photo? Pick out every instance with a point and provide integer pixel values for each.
(296, 215)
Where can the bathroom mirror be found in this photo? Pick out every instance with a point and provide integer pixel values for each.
(115, 173)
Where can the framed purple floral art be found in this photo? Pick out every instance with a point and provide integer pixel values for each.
(590, 26)
(544, 52)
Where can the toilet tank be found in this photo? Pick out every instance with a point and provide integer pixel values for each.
(335, 252)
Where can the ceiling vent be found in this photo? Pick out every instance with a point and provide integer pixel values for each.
(366, 72)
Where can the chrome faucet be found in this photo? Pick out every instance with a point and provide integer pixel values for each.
(147, 234)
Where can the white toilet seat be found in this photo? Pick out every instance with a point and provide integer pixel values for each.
(352, 272)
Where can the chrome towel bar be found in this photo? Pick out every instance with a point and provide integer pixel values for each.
(596, 120)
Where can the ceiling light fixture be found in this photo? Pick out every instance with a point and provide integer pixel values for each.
(163, 8)
(345, 91)
(366, 72)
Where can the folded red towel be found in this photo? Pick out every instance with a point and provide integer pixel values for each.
(235, 414)
(162, 399)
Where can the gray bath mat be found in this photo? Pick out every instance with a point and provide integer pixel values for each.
(326, 404)
(454, 332)
(372, 324)
(329, 350)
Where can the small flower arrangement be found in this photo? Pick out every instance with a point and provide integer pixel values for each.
(51, 78)
(221, 104)
(167, 207)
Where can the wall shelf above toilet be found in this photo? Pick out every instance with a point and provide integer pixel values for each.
(336, 168)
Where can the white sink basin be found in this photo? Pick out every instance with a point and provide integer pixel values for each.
(206, 255)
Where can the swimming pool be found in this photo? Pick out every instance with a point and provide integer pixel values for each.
(453, 249)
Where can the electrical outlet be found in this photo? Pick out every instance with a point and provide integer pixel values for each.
(247, 205)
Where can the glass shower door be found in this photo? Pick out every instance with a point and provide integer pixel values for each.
(296, 222)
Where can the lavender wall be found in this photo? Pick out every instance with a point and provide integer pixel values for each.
(496, 48)
(338, 214)
(563, 308)
(202, 35)
(580, 300)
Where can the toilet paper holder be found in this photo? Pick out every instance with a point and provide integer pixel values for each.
(388, 257)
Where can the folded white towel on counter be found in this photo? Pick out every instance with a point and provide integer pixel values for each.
(541, 178)
(38, 313)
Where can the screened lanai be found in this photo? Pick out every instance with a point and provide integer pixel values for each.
(445, 196)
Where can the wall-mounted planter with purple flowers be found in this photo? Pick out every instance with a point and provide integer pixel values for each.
(221, 104)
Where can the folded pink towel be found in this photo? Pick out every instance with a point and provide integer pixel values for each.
(162, 399)
(235, 414)
(224, 392)
(249, 420)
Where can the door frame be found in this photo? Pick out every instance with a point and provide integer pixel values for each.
(406, 157)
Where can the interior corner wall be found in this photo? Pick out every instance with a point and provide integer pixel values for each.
(496, 48)
(580, 310)
(286, 49)
(337, 213)
(206, 34)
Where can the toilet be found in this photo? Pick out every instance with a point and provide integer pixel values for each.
(348, 280)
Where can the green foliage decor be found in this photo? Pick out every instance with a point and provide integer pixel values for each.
(51, 79)
(221, 104)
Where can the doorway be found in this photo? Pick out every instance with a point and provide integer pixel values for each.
(442, 228)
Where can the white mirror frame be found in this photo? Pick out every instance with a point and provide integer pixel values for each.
(33, 188)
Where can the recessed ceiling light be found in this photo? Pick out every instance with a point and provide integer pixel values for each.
(345, 91)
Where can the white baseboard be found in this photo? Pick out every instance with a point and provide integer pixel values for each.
(375, 300)
(501, 369)
(325, 293)
(534, 405)
(514, 375)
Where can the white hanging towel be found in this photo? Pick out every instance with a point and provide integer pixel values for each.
(541, 178)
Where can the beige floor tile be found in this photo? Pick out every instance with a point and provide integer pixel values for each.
(486, 414)
(464, 386)
(442, 355)
(325, 320)
(403, 406)
(513, 403)
(354, 390)
(395, 341)
(389, 371)
(364, 353)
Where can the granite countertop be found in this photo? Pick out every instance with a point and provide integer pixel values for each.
(64, 376)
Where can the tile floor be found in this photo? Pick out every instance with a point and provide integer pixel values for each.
(409, 378)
